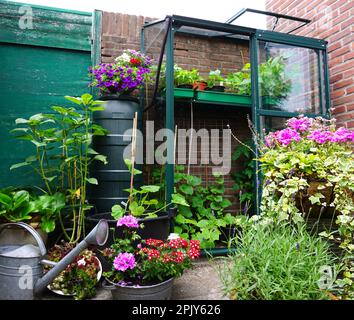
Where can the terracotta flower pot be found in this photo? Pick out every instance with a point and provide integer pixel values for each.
(200, 85)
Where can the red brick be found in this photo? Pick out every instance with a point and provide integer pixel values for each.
(343, 83)
(350, 90)
(340, 18)
(350, 107)
(338, 36)
(348, 65)
(347, 23)
(335, 78)
(337, 94)
(340, 109)
(346, 7)
(343, 100)
(350, 125)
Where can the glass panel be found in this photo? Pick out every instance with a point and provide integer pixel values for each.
(289, 78)
(269, 124)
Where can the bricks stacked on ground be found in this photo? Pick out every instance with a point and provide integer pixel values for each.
(332, 20)
(122, 31)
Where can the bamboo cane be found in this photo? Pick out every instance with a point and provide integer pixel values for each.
(133, 152)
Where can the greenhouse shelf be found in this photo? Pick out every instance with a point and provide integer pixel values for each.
(221, 98)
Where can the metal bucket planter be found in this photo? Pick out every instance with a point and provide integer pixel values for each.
(160, 291)
(21, 271)
(17, 235)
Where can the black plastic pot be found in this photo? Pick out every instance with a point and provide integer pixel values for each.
(157, 228)
(215, 88)
(185, 86)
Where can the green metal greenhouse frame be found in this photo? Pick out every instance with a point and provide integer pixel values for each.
(173, 25)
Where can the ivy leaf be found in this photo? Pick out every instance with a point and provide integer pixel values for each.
(187, 189)
(315, 199)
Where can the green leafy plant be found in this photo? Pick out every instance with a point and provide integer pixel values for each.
(214, 78)
(204, 219)
(278, 262)
(63, 154)
(16, 205)
(240, 82)
(185, 77)
(273, 79)
(20, 205)
(244, 178)
(141, 202)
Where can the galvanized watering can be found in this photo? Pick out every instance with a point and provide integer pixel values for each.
(21, 267)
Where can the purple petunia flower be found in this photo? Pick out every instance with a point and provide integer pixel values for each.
(124, 261)
(128, 221)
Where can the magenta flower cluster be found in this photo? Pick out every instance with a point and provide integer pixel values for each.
(308, 129)
(124, 261)
(128, 221)
(340, 135)
(300, 124)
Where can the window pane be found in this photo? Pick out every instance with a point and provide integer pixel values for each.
(289, 78)
(269, 124)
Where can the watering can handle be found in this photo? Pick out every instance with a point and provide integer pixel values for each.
(33, 232)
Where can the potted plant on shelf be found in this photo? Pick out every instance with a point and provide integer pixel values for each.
(239, 82)
(145, 269)
(215, 81)
(185, 78)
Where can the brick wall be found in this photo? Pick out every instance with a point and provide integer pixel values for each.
(122, 31)
(332, 20)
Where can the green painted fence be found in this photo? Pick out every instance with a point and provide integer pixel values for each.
(39, 66)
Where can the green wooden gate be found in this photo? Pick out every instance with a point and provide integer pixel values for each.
(44, 54)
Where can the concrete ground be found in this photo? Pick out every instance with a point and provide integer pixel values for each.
(199, 283)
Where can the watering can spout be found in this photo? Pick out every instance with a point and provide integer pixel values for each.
(98, 236)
